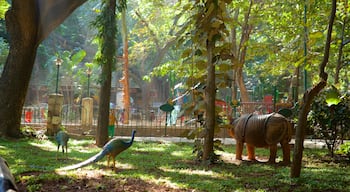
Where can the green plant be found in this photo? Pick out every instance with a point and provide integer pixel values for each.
(344, 149)
(330, 117)
(34, 187)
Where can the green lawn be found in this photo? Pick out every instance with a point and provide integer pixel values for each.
(153, 165)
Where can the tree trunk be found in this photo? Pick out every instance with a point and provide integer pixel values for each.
(239, 51)
(294, 92)
(126, 69)
(242, 89)
(22, 27)
(108, 48)
(307, 101)
(28, 23)
(210, 94)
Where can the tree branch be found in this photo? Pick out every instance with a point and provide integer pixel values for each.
(307, 100)
(52, 13)
(153, 34)
(322, 73)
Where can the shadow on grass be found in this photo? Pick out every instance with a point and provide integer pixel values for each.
(87, 181)
(155, 166)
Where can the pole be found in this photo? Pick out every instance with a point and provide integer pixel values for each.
(305, 46)
(274, 97)
(88, 88)
(58, 71)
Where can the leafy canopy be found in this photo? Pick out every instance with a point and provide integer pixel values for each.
(4, 5)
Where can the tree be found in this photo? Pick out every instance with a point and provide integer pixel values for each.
(106, 24)
(158, 26)
(125, 78)
(210, 18)
(308, 98)
(239, 48)
(28, 24)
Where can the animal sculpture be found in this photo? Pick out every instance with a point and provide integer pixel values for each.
(262, 131)
(110, 149)
(62, 140)
(7, 181)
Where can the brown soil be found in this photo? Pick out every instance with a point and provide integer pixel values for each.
(91, 181)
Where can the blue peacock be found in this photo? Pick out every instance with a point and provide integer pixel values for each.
(110, 149)
(62, 140)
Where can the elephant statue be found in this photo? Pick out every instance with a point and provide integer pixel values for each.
(262, 131)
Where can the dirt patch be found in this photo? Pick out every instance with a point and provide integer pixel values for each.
(87, 181)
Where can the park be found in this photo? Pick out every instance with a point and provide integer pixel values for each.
(227, 95)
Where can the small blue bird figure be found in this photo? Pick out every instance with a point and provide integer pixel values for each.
(62, 140)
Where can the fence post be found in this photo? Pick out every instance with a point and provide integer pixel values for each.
(54, 119)
(87, 112)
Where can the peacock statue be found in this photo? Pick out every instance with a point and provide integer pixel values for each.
(111, 150)
(62, 140)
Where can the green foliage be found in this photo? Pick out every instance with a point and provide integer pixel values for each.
(4, 50)
(332, 96)
(330, 122)
(207, 37)
(4, 5)
(69, 68)
(105, 23)
(344, 149)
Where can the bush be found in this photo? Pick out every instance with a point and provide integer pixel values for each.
(344, 149)
(330, 122)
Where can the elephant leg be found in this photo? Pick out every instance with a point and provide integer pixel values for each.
(239, 150)
(286, 152)
(251, 152)
(273, 153)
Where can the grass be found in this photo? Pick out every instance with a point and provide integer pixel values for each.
(171, 165)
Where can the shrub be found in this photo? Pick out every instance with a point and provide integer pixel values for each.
(344, 149)
(330, 122)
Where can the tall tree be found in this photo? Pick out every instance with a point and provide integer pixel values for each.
(239, 48)
(210, 31)
(157, 29)
(308, 97)
(106, 24)
(126, 68)
(28, 24)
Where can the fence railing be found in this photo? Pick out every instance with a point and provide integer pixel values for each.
(71, 114)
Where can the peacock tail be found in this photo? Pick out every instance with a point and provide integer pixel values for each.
(87, 162)
(114, 147)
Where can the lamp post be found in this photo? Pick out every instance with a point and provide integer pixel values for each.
(58, 63)
(88, 72)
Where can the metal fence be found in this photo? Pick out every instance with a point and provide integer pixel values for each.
(71, 115)
(151, 121)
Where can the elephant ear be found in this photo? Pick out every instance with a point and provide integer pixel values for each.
(276, 130)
